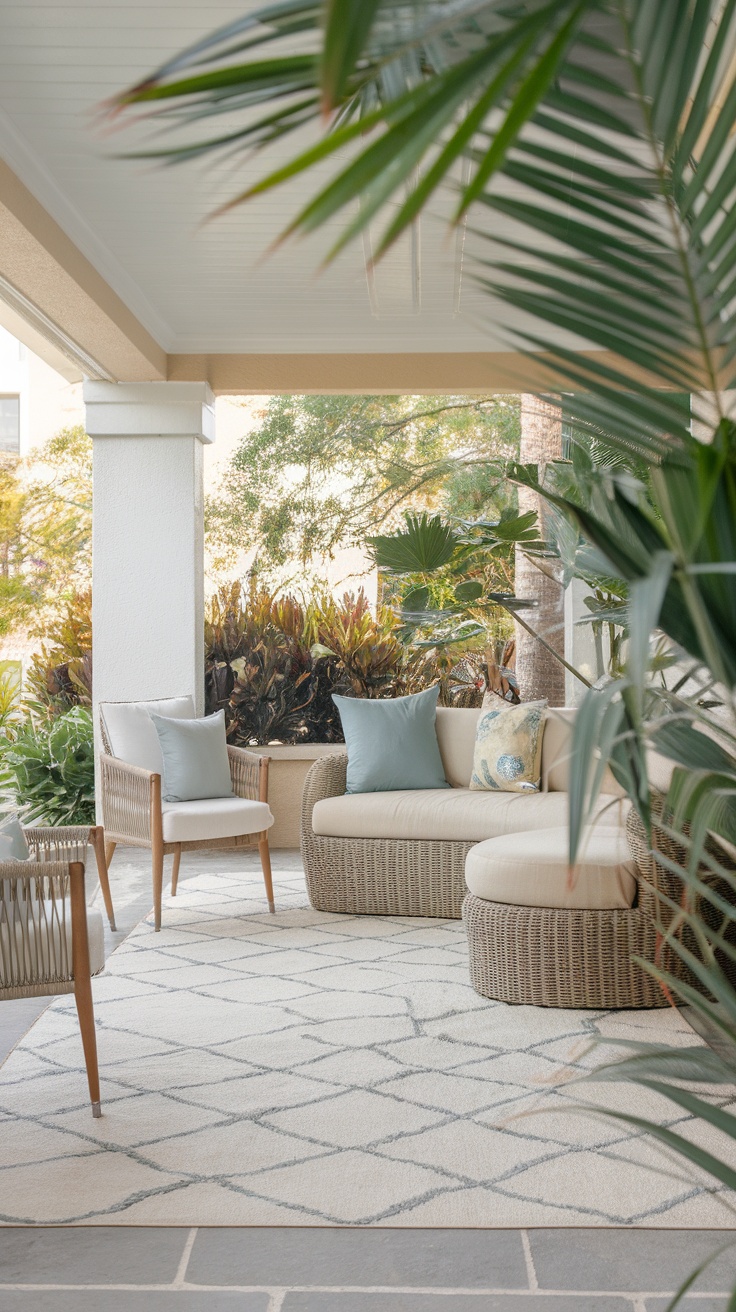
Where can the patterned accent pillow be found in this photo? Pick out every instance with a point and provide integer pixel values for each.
(508, 749)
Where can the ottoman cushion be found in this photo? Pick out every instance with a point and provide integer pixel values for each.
(531, 870)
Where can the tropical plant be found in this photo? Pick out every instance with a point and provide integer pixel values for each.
(50, 768)
(616, 118)
(59, 674)
(272, 663)
(451, 586)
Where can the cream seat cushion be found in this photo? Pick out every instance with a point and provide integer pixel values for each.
(43, 936)
(453, 814)
(214, 817)
(531, 870)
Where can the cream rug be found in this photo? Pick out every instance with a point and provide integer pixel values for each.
(309, 1069)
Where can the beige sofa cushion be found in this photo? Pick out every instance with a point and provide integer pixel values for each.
(456, 728)
(454, 815)
(531, 870)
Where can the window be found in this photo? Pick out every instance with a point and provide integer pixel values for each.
(9, 423)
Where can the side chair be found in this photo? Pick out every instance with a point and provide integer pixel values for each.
(134, 814)
(51, 942)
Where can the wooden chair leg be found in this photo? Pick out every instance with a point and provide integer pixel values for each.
(266, 867)
(175, 870)
(97, 836)
(157, 871)
(109, 852)
(83, 983)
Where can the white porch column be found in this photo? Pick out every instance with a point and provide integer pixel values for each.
(148, 531)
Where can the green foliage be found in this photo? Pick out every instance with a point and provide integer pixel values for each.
(273, 663)
(49, 766)
(325, 471)
(448, 581)
(59, 675)
(45, 529)
(427, 81)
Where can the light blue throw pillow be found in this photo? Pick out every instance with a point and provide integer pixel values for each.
(392, 743)
(13, 845)
(195, 758)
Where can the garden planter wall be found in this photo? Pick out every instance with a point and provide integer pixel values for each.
(287, 772)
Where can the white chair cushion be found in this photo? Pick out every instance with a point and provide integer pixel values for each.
(43, 926)
(451, 814)
(131, 733)
(531, 870)
(214, 817)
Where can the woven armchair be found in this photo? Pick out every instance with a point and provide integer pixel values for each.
(50, 941)
(135, 815)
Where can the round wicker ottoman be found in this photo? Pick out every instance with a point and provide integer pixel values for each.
(558, 956)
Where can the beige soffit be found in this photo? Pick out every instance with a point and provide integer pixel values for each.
(50, 285)
(340, 373)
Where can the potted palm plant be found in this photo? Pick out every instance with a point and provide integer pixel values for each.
(599, 164)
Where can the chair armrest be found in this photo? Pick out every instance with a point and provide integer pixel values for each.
(130, 798)
(58, 843)
(249, 774)
(326, 778)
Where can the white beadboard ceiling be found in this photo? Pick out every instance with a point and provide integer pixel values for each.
(207, 286)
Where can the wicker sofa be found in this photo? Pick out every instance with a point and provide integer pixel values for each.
(403, 853)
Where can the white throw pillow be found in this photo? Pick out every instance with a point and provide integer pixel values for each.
(13, 845)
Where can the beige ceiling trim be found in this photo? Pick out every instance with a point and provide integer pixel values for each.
(55, 289)
(397, 372)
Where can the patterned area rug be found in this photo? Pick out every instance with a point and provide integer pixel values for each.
(313, 1069)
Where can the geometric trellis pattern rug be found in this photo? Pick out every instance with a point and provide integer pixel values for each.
(311, 1069)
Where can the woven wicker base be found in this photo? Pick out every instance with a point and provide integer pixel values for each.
(376, 876)
(385, 876)
(548, 958)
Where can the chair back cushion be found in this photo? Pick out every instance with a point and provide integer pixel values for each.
(130, 730)
(196, 763)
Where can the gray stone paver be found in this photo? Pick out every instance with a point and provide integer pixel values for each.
(90, 1255)
(633, 1259)
(455, 1259)
(716, 1304)
(332, 1269)
(72, 1300)
(382, 1302)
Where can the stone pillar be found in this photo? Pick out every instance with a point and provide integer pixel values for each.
(538, 671)
(148, 538)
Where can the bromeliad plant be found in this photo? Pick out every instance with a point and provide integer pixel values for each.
(602, 134)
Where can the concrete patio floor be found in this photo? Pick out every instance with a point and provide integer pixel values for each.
(315, 1269)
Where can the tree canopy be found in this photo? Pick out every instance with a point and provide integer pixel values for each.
(325, 471)
(45, 529)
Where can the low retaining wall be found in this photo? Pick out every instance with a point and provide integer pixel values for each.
(286, 775)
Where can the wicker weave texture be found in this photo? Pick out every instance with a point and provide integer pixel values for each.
(577, 958)
(381, 876)
(546, 957)
(35, 914)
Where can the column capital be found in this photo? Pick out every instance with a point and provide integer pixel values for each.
(150, 410)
